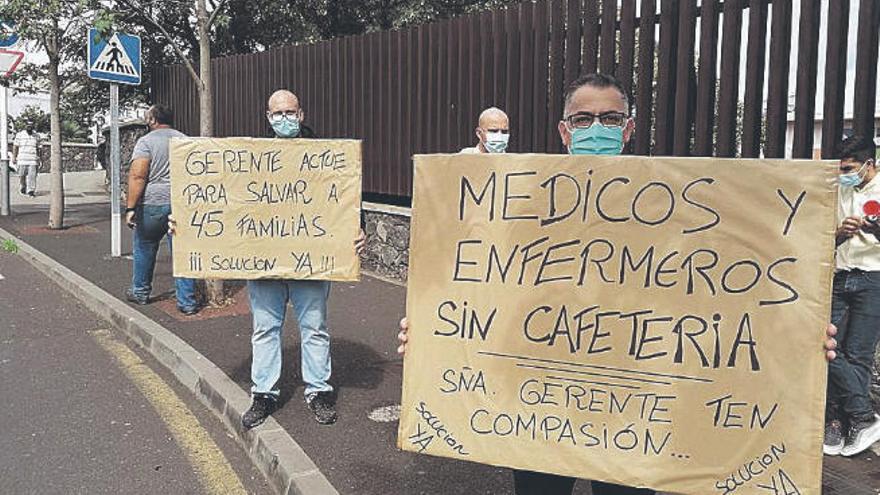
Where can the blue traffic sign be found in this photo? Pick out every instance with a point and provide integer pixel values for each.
(115, 58)
(8, 37)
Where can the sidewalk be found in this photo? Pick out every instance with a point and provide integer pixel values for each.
(357, 455)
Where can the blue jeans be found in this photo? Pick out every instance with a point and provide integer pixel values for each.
(152, 225)
(855, 310)
(269, 306)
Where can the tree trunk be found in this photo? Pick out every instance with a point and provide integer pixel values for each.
(216, 295)
(56, 205)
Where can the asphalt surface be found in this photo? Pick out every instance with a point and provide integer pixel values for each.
(358, 455)
(73, 422)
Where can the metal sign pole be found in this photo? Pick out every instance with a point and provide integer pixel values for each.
(5, 200)
(115, 217)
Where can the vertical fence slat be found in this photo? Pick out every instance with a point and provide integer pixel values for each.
(624, 69)
(411, 103)
(835, 76)
(522, 126)
(536, 99)
(590, 34)
(608, 42)
(645, 90)
(483, 24)
(499, 60)
(753, 102)
(386, 125)
(474, 70)
(572, 39)
(704, 119)
(687, 25)
(728, 94)
(511, 99)
(466, 118)
(777, 84)
(398, 74)
(431, 133)
(557, 73)
(453, 108)
(805, 98)
(665, 116)
(865, 91)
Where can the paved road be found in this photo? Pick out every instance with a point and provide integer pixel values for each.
(82, 413)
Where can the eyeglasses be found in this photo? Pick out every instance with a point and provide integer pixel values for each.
(277, 116)
(583, 120)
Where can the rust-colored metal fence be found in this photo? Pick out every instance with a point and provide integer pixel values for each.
(420, 90)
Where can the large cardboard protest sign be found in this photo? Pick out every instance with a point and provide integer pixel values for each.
(266, 208)
(648, 322)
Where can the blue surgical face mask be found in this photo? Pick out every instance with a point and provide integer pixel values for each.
(596, 140)
(852, 179)
(496, 142)
(286, 127)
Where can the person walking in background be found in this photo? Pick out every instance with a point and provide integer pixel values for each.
(149, 205)
(26, 156)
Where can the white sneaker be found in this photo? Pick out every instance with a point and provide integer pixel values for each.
(860, 437)
(833, 443)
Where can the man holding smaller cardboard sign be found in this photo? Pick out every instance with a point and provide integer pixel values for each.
(268, 301)
(851, 425)
(493, 132)
(596, 122)
(269, 297)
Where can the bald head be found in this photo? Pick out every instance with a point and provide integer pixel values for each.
(493, 118)
(283, 101)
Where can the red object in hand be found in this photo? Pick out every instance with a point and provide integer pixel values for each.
(871, 208)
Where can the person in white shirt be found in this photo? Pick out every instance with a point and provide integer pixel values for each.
(851, 425)
(493, 132)
(24, 153)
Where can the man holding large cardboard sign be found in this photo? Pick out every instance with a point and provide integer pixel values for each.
(284, 214)
(629, 320)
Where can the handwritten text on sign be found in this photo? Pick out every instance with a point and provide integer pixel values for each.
(266, 208)
(650, 322)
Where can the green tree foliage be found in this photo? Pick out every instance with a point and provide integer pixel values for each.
(57, 28)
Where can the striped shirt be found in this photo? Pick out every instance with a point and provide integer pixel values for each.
(27, 148)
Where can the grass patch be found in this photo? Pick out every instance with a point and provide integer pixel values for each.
(9, 246)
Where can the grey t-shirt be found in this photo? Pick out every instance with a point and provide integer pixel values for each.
(154, 146)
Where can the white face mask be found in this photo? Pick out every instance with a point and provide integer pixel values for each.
(496, 142)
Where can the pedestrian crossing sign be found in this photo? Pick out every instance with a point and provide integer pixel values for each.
(114, 58)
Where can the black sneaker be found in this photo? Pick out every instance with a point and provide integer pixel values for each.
(262, 406)
(833, 443)
(130, 297)
(861, 435)
(189, 311)
(32, 194)
(23, 190)
(322, 406)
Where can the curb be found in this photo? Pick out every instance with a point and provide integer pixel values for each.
(276, 454)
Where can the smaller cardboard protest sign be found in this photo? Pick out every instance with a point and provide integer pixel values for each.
(266, 208)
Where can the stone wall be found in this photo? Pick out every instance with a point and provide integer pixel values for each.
(387, 250)
(129, 133)
(75, 157)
